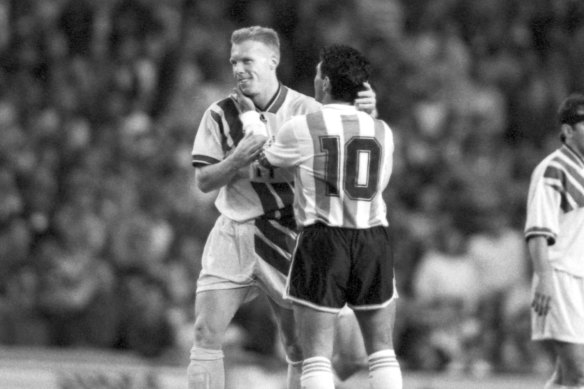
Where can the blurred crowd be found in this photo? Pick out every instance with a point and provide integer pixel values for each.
(101, 228)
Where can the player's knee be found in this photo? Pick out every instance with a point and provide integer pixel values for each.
(292, 348)
(294, 352)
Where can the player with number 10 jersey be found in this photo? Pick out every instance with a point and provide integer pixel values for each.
(344, 159)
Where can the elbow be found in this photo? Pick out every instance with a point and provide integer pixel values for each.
(203, 185)
(203, 182)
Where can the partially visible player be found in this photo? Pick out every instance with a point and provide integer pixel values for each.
(343, 161)
(247, 250)
(554, 231)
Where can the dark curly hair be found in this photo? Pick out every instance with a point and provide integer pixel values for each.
(571, 111)
(347, 70)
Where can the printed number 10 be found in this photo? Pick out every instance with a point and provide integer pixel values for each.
(360, 162)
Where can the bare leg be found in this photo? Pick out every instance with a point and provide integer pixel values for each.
(291, 342)
(377, 328)
(349, 355)
(214, 310)
(316, 330)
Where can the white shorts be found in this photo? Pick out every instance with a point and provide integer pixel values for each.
(230, 260)
(565, 320)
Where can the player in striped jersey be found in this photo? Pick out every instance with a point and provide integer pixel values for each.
(343, 162)
(554, 231)
(249, 248)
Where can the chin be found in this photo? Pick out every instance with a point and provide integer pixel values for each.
(249, 93)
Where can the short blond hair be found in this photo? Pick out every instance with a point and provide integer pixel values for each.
(265, 35)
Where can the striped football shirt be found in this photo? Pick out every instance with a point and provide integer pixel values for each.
(555, 208)
(343, 162)
(262, 191)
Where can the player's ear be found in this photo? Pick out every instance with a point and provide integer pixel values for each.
(274, 61)
(326, 84)
(566, 130)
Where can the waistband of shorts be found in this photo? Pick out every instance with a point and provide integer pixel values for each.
(321, 225)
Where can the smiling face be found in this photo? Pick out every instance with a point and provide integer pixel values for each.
(254, 68)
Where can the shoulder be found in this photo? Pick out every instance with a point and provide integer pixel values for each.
(302, 103)
(222, 107)
(548, 167)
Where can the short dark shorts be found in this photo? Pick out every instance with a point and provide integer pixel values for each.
(335, 266)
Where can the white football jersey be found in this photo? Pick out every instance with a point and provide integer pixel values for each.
(555, 209)
(261, 191)
(343, 160)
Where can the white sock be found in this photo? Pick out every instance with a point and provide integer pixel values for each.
(317, 374)
(206, 369)
(384, 370)
(294, 374)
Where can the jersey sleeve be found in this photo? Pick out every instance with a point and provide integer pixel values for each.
(284, 151)
(207, 148)
(543, 207)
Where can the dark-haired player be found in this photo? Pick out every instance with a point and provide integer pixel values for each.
(343, 256)
(555, 237)
(248, 249)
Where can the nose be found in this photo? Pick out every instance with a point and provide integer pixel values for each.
(237, 67)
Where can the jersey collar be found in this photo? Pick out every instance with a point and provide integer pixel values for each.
(277, 101)
(573, 154)
(341, 107)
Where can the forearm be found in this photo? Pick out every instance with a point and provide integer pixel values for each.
(215, 176)
(538, 251)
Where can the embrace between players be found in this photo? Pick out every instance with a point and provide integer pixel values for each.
(302, 217)
(303, 172)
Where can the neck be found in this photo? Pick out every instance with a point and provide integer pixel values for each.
(262, 99)
(328, 99)
(576, 150)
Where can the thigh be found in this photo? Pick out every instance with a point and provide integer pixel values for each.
(349, 355)
(377, 327)
(316, 330)
(214, 310)
(348, 343)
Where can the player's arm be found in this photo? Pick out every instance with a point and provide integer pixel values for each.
(542, 227)
(538, 251)
(215, 176)
(284, 151)
(217, 172)
(366, 100)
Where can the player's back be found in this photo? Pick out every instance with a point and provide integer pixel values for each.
(346, 165)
